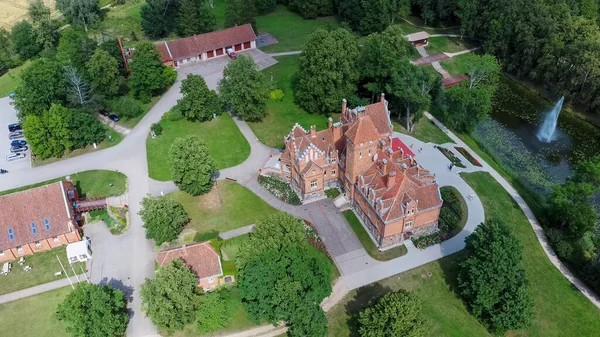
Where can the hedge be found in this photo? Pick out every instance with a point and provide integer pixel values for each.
(280, 189)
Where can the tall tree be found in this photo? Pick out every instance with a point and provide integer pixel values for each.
(75, 48)
(78, 91)
(366, 16)
(212, 313)
(159, 17)
(191, 165)
(171, 298)
(589, 9)
(239, 12)
(40, 16)
(147, 71)
(85, 130)
(112, 47)
(163, 218)
(8, 55)
(263, 6)
(103, 72)
(195, 17)
(42, 84)
(50, 134)
(492, 280)
(395, 314)
(570, 208)
(84, 12)
(24, 40)
(327, 70)
(92, 310)
(244, 89)
(198, 102)
(311, 9)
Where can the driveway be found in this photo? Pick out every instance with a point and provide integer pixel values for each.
(8, 115)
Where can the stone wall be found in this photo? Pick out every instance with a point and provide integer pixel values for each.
(425, 229)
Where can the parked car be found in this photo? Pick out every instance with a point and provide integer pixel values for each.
(113, 117)
(15, 135)
(14, 127)
(232, 53)
(103, 112)
(15, 156)
(17, 143)
(17, 149)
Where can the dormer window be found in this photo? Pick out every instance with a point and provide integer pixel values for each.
(360, 155)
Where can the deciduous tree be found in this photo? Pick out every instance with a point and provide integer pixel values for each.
(78, 91)
(163, 218)
(311, 9)
(93, 310)
(492, 280)
(79, 12)
(147, 71)
(263, 6)
(126, 107)
(103, 72)
(395, 314)
(192, 165)
(112, 47)
(159, 17)
(239, 12)
(40, 16)
(42, 84)
(327, 70)
(8, 55)
(171, 298)
(24, 40)
(212, 313)
(75, 48)
(194, 17)
(198, 102)
(244, 89)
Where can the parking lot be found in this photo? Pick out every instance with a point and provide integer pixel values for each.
(8, 115)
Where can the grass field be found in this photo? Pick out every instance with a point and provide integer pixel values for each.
(43, 264)
(231, 247)
(228, 206)
(94, 183)
(282, 115)
(559, 309)
(425, 131)
(122, 21)
(34, 316)
(290, 29)
(10, 81)
(446, 44)
(368, 244)
(225, 142)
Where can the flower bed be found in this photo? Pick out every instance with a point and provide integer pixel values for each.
(313, 237)
(425, 241)
(467, 155)
(279, 188)
(450, 222)
(451, 157)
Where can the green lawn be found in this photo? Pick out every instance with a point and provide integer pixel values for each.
(228, 206)
(282, 115)
(446, 44)
(106, 143)
(231, 247)
(225, 142)
(456, 65)
(34, 316)
(290, 30)
(425, 131)
(368, 243)
(94, 183)
(10, 81)
(131, 123)
(122, 21)
(43, 264)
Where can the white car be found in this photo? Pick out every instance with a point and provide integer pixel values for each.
(15, 156)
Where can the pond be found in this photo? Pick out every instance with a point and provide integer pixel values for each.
(510, 137)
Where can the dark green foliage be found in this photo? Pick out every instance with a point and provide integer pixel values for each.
(212, 313)
(156, 128)
(171, 298)
(492, 281)
(311, 9)
(79, 12)
(103, 72)
(159, 17)
(198, 102)
(85, 130)
(395, 314)
(425, 241)
(570, 209)
(126, 107)
(366, 16)
(263, 6)
(42, 24)
(42, 83)
(239, 12)
(327, 70)
(112, 47)
(194, 17)
(75, 48)
(24, 40)
(280, 189)
(9, 57)
(148, 74)
(280, 280)
(92, 310)
(163, 218)
(191, 165)
(244, 90)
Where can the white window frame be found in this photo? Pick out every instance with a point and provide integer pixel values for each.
(314, 185)
(20, 249)
(408, 225)
(332, 172)
(38, 244)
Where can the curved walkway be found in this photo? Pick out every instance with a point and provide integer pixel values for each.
(537, 228)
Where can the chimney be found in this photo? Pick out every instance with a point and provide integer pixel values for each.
(313, 131)
(391, 180)
(384, 166)
(344, 106)
(382, 97)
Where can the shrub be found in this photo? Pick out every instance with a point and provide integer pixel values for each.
(174, 114)
(425, 241)
(126, 107)
(276, 95)
(280, 189)
(564, 250)
(156, 128)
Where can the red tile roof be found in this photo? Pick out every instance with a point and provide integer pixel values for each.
(201, 257)
(198, 44)
(19, 210)
(397, 144)
(363, 131)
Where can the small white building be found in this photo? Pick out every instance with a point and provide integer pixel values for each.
(80, 251)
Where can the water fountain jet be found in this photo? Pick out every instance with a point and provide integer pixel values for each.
(546, 132)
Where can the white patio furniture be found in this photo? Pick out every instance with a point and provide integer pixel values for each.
(22, 260)
(27, 268)
(6, 268)
(58, 273)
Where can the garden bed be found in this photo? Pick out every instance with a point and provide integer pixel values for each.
(332, 193)
(454, 159)
(279, 188)
(468, 156)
